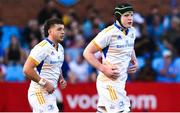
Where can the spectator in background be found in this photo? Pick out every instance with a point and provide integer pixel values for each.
(1, 74)
(156, 31)
(155, 27)
(1, 24)
(145, 46)
(71, 20)
(32, 31)
(174, 12)
(138, 24)
(14, 73)
(71, 78)
(146, 73)
(166, 71)
(49, 11)
(14, 54)
(6, 32)
(177, 67)
(2, 70)
(34, 42)
(98, 24)
(80, 69)
(1, 52)
(93, 75)
(172, 37)
(1, 32)
(87, 25)
(14, 58)
(76, 44)
(153, 10)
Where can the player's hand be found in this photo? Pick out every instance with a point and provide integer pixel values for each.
(49, 87)
(111, 71)
(63, 83)
(133, 68)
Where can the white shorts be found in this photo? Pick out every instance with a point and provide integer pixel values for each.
(42, 102)
(112, 96)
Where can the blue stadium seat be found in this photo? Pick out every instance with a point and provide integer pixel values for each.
(14, 73)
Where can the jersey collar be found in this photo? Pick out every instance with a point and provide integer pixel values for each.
(50, 42)
(115, 24)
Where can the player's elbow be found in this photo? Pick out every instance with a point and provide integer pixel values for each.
(85, 54)
(25, 70)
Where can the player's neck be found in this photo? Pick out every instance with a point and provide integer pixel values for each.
(52, 40)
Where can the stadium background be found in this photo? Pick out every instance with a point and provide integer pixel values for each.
(152, 88)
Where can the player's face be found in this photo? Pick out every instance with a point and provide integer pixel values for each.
(127, 19)
(58, 32)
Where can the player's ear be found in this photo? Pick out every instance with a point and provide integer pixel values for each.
(49, 31)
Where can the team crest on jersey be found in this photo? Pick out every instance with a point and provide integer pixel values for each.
(121, 103)
(132, 35)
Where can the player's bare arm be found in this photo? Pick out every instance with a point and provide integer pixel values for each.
(133, 68)
(110, 71)
(32, 75)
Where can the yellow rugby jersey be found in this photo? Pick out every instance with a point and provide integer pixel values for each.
(116, 47)
(48, 61)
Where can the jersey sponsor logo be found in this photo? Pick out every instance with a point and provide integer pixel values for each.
(82, 101)
(143, 101)
(125, 45)
(85, 101)
(54, 62)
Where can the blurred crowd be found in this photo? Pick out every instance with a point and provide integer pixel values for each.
(157, 45)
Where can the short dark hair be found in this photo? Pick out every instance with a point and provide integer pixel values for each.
(49, 23)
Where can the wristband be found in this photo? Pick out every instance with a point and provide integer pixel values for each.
(42, 82)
